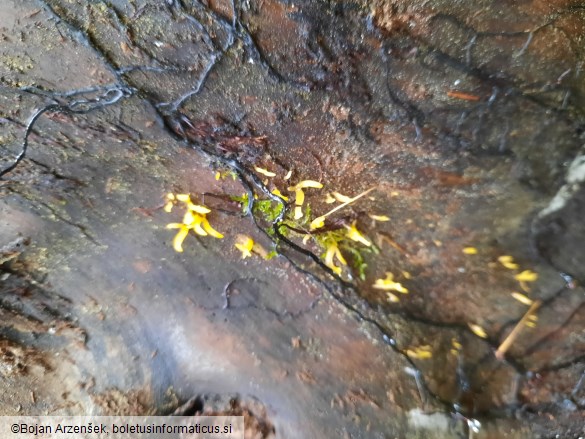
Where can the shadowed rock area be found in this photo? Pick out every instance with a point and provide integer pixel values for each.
(443, 298)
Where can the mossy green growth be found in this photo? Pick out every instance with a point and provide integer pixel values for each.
(268, 209)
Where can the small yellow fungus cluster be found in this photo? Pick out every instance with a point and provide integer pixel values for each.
(355, 235)
(331, 253)
(195, 218)
(381, 218)
(265, 172)
(522, 277)
(508, 262)
(300, 195)
(320, 221)
(388, 284)
(420, 352)
(455, 346)
(245, 244)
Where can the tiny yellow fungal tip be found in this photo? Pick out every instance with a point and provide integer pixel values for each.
(306, 184)
(298, 212)
(185, 198)
(526, 276)
(388, 284)
(299, 197)
(265, 172)
(333, 252)
(355, 235)
(179, 238)
(317, 223)
(381, 218)
(245, 244)
(217, 175)
(329, 199)
(522, 298)
(470, 250)
(210, 230)
(279, 194)
(341, 198)
(288, 175)
(198, 209)
(421, 352)
(477, 330)
(508, 262)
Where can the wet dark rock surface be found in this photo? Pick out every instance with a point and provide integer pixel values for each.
(467, 118)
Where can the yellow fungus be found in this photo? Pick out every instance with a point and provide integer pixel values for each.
(306, 184)
(470, 250)
(317, 223)
(388, 284)
(217, 175)
(477, 330)
(245, 244)
(508, 262)
(306, 238)
(456, 346)
(210, 230)
(329, 199)
(298, 212)
(299, 197)
(406, 275)
(355, 235)
(341, 198)
(522, 298)
(288, 175)
(420, 352)
(198, 209)
(333, 252)
(194, 219)
(379, 217)
(179, 238)
(526, 276)
(279, 194)
(341, 206)
(265, 172)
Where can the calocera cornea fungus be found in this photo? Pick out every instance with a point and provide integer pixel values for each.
(300, 195)
(194, 219)
(245, 244)
(332, 252)
(320, 221)
(389, 284)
